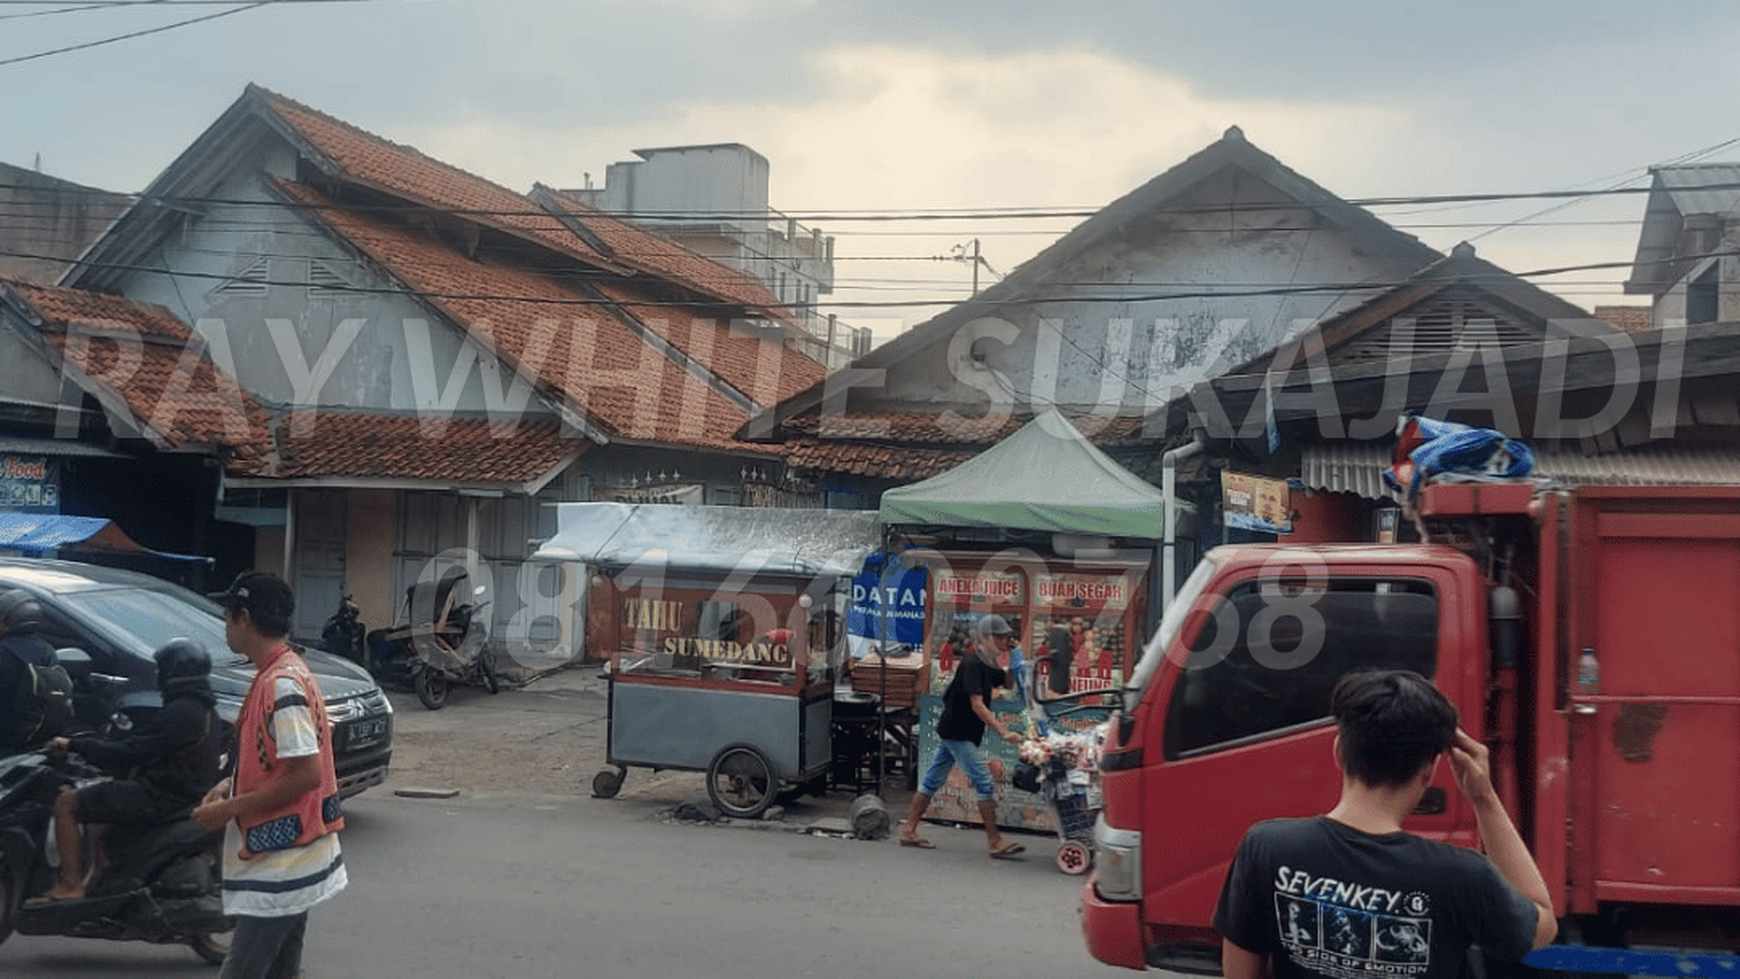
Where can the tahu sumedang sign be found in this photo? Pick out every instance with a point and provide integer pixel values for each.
(1254, 503)
(665, 634)
(29, 483)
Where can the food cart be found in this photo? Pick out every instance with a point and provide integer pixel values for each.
(722, 631)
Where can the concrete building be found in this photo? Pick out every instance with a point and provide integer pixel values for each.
(1686, 250)
(49, 222)
(713, 199)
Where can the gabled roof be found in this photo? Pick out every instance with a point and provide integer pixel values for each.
(680, 347)
(353, 155)
(1231, 151)
(575, 348)
(1459, 299)
(173, 396)
(1678, 193)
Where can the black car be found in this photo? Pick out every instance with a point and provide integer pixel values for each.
(118, 618)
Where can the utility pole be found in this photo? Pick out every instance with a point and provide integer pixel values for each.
(976, 260)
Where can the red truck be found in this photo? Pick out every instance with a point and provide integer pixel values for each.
(1591, 639)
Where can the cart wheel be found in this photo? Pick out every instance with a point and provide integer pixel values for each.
(740, 781)
(607, 783)
(1074, 858)
(486, 667)
(431, 688)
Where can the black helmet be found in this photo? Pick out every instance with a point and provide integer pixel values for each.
(19, 612)
(182, 663)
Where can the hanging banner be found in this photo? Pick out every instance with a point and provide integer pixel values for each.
(29, 484)
(1255, 503)
(894, 602)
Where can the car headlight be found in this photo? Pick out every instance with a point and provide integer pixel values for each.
(1117, 862)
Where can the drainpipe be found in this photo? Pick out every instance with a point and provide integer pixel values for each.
(1169, 496)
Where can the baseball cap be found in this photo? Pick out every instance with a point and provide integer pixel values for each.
(994, 625)
(258, 591)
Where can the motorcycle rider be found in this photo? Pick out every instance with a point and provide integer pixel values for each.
(23, 655)
(165, 764)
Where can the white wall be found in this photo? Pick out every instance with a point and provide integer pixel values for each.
(1058, 351)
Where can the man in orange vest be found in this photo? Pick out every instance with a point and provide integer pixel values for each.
(280, 809)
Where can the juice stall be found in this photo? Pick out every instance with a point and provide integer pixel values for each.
(1049, 532)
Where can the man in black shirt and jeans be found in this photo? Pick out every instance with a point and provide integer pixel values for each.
(1351, 895)
(965, 715)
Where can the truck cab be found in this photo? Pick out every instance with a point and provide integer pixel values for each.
(1590, 638)
(1225, 722)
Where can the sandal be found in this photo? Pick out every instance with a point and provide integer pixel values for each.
(918, 841)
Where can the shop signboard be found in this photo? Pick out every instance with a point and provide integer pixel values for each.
(29, 483)
(886, 603)
(1090, 608)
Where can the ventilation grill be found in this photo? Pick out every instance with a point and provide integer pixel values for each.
(324, 283)
(250, 282)
(1452, 319)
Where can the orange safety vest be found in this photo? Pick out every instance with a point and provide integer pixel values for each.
(313, 815)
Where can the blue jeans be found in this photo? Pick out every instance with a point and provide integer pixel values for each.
(962, 753)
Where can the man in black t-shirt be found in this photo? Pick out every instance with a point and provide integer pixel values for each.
(965, 715)
(1350, 895)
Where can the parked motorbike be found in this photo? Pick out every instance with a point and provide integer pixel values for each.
(442, 644)
(345, 635)
(162, 884)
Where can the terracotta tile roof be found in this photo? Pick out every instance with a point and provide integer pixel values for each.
(364, 445)
(766, 374)
(548, 329)
(1631, 319)
(403, 171)
(872, 459)
(931, 428)
(654, 253)
(911, 446)
(173, 391)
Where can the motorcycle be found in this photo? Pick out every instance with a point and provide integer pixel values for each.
(344, 633)
(162, 884)
(442, 644)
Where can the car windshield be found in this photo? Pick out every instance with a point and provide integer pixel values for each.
(141, 620)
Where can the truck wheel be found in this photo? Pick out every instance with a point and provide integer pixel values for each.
(431, 688)
(740, 781)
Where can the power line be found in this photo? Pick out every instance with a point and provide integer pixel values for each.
(1184, 291)
(133, 34)
(647, 220)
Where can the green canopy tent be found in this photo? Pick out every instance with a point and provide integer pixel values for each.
(1045, 477)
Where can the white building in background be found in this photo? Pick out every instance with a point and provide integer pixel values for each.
(713, 199)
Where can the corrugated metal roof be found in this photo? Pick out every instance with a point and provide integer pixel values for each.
(1689, 187)
(1358, 467)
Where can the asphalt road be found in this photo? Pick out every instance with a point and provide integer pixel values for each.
(512, 885)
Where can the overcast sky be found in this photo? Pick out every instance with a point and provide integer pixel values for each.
(891, 106)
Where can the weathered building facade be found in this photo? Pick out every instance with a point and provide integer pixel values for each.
(439, 356)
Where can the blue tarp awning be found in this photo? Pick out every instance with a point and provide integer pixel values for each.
(37, 534)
